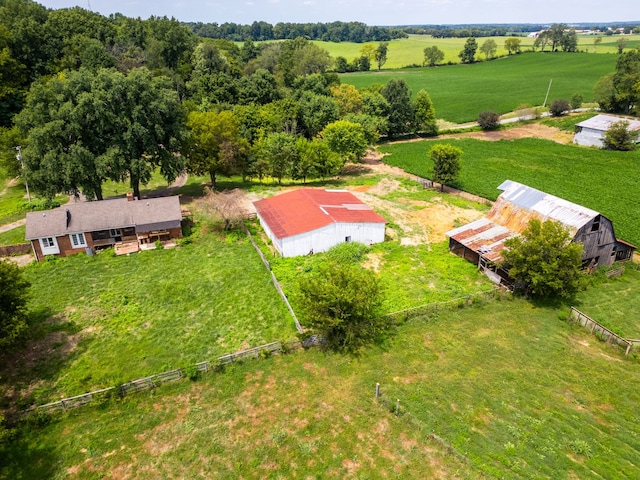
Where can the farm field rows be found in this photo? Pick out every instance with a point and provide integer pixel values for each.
(604, 181)
(511, 388)
(405, 52)
(460, 92)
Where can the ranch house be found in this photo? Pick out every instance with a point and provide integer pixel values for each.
(482, 241)
(311, 220)
(126, 224)
(591, 132)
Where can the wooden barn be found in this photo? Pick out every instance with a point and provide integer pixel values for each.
(124, 223)
(482, 241)
(591, 132)
(310, 220)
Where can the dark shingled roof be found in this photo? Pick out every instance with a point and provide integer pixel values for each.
(308, 209)
(146, 215)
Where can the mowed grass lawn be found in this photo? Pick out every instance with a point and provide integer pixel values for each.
(460, 92)
(106, 320)
(604, 181)
(515, 391)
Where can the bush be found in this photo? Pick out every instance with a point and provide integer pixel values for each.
(559, 107)
(619, 137)
(489, 120)
(576, 101)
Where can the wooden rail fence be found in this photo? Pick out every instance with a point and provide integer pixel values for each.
(437, 306)
(153, 381)
(601, 331)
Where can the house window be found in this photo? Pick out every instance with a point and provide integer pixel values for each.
(115, 232)
(595, 226)
(49, 246)
(347, 239)
(48, 242)
(78, 240)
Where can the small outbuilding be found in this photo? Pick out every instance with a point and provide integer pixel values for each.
(482, 241)
(591, 132)
(310, 220)
(124, 223)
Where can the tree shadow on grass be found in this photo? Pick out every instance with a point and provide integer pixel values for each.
(23, 457)
(29, 370)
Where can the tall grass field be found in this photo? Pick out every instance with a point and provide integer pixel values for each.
(507, 389)
(102, 320)
(460, 92)
(602, 180)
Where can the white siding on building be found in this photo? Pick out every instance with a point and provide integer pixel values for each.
(589, 137)
(322, 239)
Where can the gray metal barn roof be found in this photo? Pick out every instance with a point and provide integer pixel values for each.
(510, 216)
(603, 123)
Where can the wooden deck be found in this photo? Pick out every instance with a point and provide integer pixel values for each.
(124, 248)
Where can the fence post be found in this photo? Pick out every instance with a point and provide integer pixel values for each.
(628, 348)
(377, 390)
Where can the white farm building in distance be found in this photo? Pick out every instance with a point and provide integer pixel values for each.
(590, 133)
(310, 220)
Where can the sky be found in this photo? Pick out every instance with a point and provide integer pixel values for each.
(370, 12)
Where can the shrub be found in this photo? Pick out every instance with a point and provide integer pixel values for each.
(559, 107)
(619, 137)
(576, 101)
(489, 120)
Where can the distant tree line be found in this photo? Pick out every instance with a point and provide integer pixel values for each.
(327, 32)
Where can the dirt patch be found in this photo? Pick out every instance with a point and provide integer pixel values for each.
(534, 130)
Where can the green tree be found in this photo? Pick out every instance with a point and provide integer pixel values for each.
(348, 98)
(425, 114)
(278, 155)
(489, 120)
(622, 44)
(316, 160)
(489, 47)
(468, 53)
(556, 34)
(446, 163)
(317, 111)
(381, 54)
(401, 114)
(569, 42)
(368, 50)
(214, 145)
(576, 101)
(512, 45)
(596, 41)
(544, 260)
(433, 56)
(341, 302)
(559, 107)
(84, 127)
(14, 291)
(347, 139)
(619, 137)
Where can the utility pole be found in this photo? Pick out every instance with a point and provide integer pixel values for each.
(19, 157)
(547, 95)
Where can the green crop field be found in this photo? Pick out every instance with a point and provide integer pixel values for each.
(604, 181)
(410, 51)
(461, 92)
(506, 389)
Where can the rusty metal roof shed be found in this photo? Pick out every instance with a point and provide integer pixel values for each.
(510, 215)
(571, 215)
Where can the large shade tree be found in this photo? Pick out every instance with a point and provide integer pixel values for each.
(85, 127)
(214, 145)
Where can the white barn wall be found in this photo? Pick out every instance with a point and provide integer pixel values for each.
(324, 238)
(275, 240)
(589, 137)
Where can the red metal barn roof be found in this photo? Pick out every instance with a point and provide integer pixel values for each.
(306, 209)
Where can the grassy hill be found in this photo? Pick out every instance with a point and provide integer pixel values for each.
(461, 92)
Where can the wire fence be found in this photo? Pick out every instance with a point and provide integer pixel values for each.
(274, 279)
(430, 308)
